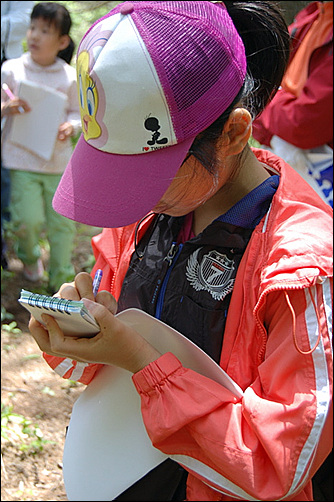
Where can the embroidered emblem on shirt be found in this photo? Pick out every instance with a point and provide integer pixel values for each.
(213, 274)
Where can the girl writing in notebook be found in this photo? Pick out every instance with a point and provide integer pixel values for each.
(34, 179)
(225, 243)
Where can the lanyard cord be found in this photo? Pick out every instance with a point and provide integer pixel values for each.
(294, 324)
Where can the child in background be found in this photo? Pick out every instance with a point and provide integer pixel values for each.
(34, 180)
(15, 19)
(226, 244)
(297, 125)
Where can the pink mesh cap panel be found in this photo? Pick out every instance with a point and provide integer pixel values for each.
(199, 58)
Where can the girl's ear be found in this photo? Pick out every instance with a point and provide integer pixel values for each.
(237, 131)
(64, 42)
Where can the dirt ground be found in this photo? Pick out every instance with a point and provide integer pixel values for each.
(31, 463)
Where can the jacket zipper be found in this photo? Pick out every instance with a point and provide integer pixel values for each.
(171, 258)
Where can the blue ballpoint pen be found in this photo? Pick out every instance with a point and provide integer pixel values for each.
(97, 281)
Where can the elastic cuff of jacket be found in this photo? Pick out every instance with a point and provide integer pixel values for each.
(156, 373)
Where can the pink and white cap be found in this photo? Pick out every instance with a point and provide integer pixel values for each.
(151, 77)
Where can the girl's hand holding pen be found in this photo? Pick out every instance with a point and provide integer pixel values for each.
(14, 105)
(116, 343)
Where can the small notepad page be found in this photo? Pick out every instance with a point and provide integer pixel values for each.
(72, 316)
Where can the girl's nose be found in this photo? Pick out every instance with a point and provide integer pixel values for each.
(34, 35)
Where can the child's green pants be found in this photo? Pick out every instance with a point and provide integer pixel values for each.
(31, 212)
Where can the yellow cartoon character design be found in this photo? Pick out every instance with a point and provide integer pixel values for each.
(88, 98)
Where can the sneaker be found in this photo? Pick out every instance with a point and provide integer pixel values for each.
(34, 272)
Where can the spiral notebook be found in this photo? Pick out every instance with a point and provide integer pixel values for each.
(72, 316)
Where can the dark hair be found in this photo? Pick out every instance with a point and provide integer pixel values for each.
(265, 35)
(58, 16)
(67, 54)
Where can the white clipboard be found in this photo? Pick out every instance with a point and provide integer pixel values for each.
(107, 448)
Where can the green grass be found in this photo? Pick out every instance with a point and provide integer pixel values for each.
(21, 432)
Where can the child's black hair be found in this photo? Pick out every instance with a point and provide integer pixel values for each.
(58, 16)
(265, 35)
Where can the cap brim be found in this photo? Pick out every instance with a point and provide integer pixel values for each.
(110, 190)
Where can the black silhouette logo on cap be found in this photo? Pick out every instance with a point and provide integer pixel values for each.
(152, 124)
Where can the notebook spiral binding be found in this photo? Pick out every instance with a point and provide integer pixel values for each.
(54, 304)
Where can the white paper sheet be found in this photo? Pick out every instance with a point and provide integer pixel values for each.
(37, 130)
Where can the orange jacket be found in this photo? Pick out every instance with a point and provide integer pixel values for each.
(268, 444)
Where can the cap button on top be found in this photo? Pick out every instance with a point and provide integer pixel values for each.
(127, 8)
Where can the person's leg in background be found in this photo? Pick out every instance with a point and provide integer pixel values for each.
(5, 212)
(61, 232)
(27, 214)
